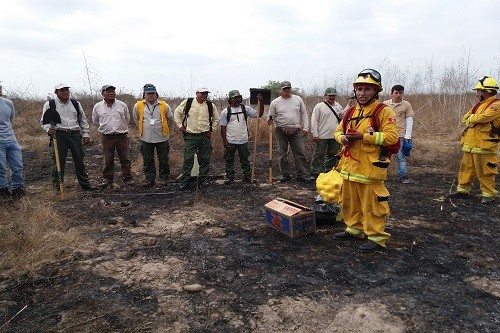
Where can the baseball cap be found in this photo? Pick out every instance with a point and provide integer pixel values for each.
(285, 84)
(149, 88)
(233, 93)
(202, 90)
(107, 86)
(331, 91)
(61, 85)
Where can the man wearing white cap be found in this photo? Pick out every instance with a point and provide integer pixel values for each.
(111, 116)
(196, 119)
(70, 133)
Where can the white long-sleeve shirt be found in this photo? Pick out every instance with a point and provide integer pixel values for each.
(69, 117)
(323, 121)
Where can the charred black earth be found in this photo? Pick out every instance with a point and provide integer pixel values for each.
(440, 272)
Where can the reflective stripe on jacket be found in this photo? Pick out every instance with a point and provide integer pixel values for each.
(476, 138)
(358, 165)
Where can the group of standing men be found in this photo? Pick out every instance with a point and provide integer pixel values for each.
(154, 119)
(357, 134)
(196, 119)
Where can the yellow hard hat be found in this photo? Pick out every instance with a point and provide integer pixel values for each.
(486, 83)
(369, 76)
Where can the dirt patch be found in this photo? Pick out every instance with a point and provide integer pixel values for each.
(140, 247)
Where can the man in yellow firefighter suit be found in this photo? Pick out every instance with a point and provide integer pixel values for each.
(362, 166)
(480, 143)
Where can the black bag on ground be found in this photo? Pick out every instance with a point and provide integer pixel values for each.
(325, 212)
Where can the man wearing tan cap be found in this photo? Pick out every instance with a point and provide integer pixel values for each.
(289, 115)
(111, 116)
(196, 119)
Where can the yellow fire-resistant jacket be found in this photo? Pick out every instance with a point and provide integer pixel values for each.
(480, 120)
(162, 107)
(358, 166)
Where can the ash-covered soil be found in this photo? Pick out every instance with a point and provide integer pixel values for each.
(440, 272)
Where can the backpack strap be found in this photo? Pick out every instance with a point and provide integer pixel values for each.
(52, 105)
(187, 107)
(385, 151)
(78, 112)
(335, 113)
(375, 120)
(347, 117)
(210, 113)
(243, 110)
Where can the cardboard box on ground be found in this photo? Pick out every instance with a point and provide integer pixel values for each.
(289, 217)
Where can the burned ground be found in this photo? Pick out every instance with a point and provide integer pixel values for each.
(440, 272)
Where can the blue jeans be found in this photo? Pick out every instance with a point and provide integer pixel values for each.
(10, 152)
(402, 167)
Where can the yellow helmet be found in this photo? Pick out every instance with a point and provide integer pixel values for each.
(486, 83)
(369, 76)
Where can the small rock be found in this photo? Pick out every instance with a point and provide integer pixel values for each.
(192, 288)
(455, 215)
(124, 203)
(176, 211)
(148, 241)
(116, 220)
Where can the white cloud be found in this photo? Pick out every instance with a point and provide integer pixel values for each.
(237, 44)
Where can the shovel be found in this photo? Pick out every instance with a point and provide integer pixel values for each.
(270, 180)
(255, 142)
(52, 117)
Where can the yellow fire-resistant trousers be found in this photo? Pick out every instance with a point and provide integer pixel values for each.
(364, 209)
(484, 167)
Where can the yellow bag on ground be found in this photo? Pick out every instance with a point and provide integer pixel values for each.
(329, 185)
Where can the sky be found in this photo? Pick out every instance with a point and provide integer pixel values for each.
(222, 45)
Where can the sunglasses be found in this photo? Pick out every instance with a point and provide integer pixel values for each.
(371, 73)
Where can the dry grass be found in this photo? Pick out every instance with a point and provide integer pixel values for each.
(33, 234)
